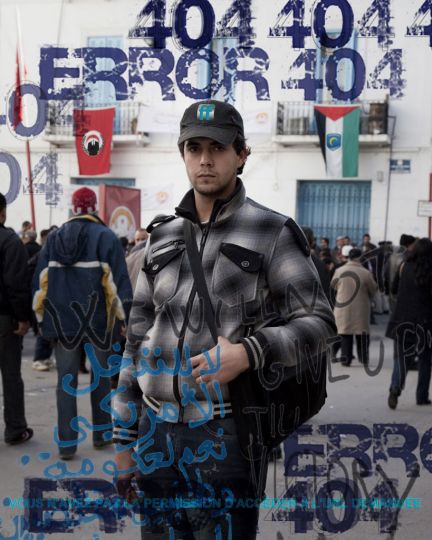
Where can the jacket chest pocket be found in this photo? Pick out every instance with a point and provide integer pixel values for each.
(164, 268)
(236, 274)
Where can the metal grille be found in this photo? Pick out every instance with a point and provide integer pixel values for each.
(334, 209)
(60, 117)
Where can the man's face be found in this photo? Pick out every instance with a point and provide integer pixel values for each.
(140, 236)
(3, 216)
(211, 166)
(323, 244)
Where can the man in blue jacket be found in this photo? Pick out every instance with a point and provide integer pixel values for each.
(81, 288)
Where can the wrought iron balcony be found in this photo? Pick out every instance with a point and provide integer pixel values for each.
(59, 128)
(295, 123)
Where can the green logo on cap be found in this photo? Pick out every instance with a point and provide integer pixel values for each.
(205, 112)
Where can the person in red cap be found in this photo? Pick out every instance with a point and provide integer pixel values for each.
(81, 288)
(84, 201)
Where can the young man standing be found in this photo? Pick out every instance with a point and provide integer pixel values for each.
(188, 440)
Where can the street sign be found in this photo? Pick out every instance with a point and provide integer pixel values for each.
(400, 166)
(424, 209)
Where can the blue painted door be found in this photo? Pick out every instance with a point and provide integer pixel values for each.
(334, 209)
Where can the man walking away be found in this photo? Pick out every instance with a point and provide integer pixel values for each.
(355, 288)
(15, 313)
(81, 287)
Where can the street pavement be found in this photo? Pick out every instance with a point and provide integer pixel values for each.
(356, 409)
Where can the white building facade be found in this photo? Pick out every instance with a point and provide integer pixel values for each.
(286, 170)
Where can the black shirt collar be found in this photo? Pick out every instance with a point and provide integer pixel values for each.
(221, 207)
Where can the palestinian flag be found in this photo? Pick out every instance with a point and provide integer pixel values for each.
(338, 130)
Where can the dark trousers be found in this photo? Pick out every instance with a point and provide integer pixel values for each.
(405, 352)
(212, 474)
(43, 349)
(68, 363)
(362, 343)
(13, 386)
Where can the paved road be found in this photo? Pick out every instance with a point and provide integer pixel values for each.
(355, 415)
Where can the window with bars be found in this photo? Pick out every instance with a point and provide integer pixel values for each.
(334, 208)
(102, 93)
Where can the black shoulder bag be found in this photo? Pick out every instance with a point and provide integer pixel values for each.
(270, 403)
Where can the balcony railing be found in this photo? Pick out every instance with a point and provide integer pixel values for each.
(297, 118)
(59, 127)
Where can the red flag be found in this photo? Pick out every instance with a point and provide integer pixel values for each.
(93, 135)
(18, 101)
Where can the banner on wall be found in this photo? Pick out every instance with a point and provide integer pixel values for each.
(120, 209)
(157, 196)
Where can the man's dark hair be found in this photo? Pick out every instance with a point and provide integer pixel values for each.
(308, 232)
(239, 144)
(406, 240)
(325, 240)
(355, 253)
(26, 224)
(3, 202)
(124, 242)
(422, 257)
(44, 232)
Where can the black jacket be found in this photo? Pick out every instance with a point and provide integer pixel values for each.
(32, 248)
(413, 304)
(323, 275)
(374, 260)
(15, 293)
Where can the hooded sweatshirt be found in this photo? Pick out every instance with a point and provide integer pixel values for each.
(81, 285)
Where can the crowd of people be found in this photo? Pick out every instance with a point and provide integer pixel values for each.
(27, 274)
(360, 281)
(367, 279)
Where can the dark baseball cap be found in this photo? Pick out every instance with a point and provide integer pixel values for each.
(212, 119)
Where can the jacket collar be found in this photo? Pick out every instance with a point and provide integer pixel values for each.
(88, 217)
(222, 208)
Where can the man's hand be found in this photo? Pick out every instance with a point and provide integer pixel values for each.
(232, 358)
(22, 329)
(124, 487)
(123, 330)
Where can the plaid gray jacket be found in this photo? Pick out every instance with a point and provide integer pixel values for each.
(265, 293)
